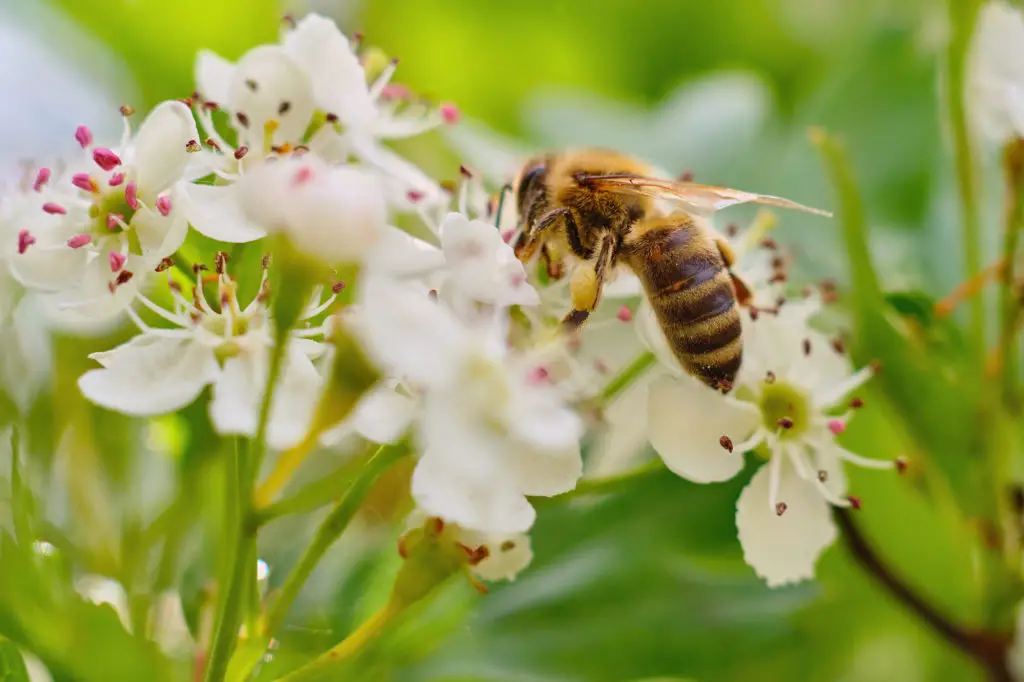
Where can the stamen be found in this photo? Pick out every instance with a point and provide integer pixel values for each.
(25, 240)
(774, 478)
(838, 345)
(127, 110)
(242, 119)
(338, 287)
(163, 205)
(165, 263)
(116, 179)
(302, 176)
(807, 346)
(383, 79)
(116, 220)
(131, 196)
(854, 501)
(124, 277)
(865, 462)
(85, 182)
(781, 508)
(538, 375)
(901, 465)
(856, 403)
(449, 113)
(79, 240)
(54, 209)
(726, 443)
(850, 384)
(116, 260)
(162, 312)
(323, 306)
(836, 426)
(105, 158)
(625, 314)
(414, 195)
(42, 177)
(769, 378)
(84, 136)
(241, 152)
(785, 422)
(193, 146)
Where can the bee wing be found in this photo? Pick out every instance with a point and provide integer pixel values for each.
(701, 199)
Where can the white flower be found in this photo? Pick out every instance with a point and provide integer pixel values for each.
(790, 381)
(491, 556)
(314, 81)
(93, 231)
(492, 429)
(995, 76)
(226, 347)
(333, 214)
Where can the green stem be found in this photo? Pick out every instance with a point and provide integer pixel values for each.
(19, 500)
(316, 494)
(230, 615)
(330, 530)
(962, 15)
(1008, 304)
(625, 378)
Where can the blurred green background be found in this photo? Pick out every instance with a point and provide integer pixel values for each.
(648, 583)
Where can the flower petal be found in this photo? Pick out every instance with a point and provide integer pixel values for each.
(27, 355)
(215, 211)
(548, 472)
(402, 176)
(383, 415)
(294, 400)
(507, 555)
(648, 329)
(149, 375)
(475, 503)
(783, 548)
(160, 235)
(233, 408)
(399, 254)
(410, 334)
(338, 80)
(686, 422)
(213, 76)
(268, 87)
(160, 156)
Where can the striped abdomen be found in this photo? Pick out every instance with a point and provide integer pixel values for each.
(692, 295)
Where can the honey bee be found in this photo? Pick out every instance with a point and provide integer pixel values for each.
(602, 209)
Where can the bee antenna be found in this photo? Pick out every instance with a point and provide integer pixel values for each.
(501, 203)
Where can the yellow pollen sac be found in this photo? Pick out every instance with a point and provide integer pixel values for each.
(269, 128)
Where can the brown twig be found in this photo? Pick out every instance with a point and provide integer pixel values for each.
(987, 648)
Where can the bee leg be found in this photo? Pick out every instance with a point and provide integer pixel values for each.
(525, 247)
(726, 249)
(553, 264)
(587, 283)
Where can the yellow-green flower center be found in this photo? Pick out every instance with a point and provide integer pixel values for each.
(785, 409)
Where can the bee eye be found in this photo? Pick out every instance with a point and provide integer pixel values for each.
(528, 182)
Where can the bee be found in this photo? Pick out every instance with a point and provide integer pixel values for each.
(604, 209)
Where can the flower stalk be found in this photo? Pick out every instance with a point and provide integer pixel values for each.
(1009, 304)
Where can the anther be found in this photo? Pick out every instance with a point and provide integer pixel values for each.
(731, 230)
(300, 149)
(507, 546)
(187, 101)
(836, 426)
(42, 177)
(777, 278)
(265, 262)
(163, 205)
(54, 209)
(116, 179)
(114, 220)
(243, 119)
(193, 146)
(212, 143)
(625, 314)
(538, 375)
(822, 475)
(302, 176)
(781, 508)
(198, 267)
(131, 196)
(288, 20)
(251, 84)
(116, 260)
(726, 443)
(465, 172)
(283, 108)
(838, 345)
(785, 423)
(901, 465)
(686, 176)
(449, 113)
(338, 287)
(105, 158)
(79, 240)
(769, 377)
(754, 313)
(25, 240)
(164, 264)
(83, 136)
(240, 152)
(806, 346)
(211, 105)
(778, 263)
(769, 243)
(432, 294)
(127, 110)
(331, 118)
(85, 183)
(220, 262)
(876, 366)
(854, 501)
(173, 286)
(414, 195)
(856, 403)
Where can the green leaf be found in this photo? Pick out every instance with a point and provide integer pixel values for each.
(12, 663)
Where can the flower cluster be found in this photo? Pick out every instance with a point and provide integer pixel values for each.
(286, 148)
